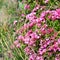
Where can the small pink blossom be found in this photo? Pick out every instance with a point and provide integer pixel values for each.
(58, 11)
(16, 42)
(18, 45)
(27, 6)
(28, 50)
(31, 24)
(12, 46)
(41, 51)
(59, 40)
(20, 37)
(36, 8)
(32, 57)
(46, 1)
(15, 22)
(57, 57)
(39, 58)
(22, 15)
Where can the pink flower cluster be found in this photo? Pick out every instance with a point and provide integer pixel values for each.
(38, 38)
(57, 57)
(30, 38)
(55, 14)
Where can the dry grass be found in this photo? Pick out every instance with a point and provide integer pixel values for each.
(4, 16)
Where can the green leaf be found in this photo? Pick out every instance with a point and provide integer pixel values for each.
(21, 5)
(20, 0)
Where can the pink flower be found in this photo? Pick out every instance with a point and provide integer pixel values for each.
(27, 40)
(41, 51)
(27, 6)
(30, 38)
(22, 15)
(42, 19)
(54, 47)
(18, 45)
(48, 12)
(43, 14)
(20, 37)
(34, 35)
(38, 20)
(31, 16)
(32, 42)
(36, 8)
(59, 40)
(28, 50)
(45, 25)
(31, 24)
(32, 57)
(28, 33)
(43, 32)
(54, 15)
(50, 30)
(57, 57)
(46, 1)
(38, 25)
(58, 48)
(15, 22)
(16, 42)
(12, 46)
(24, 27)
(58, 11)
(39, 58)
(53, 18)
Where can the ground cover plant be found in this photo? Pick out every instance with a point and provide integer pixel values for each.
(31, 30)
